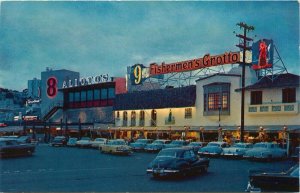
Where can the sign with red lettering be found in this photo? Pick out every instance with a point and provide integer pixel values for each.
(195, 64)
(51, 87)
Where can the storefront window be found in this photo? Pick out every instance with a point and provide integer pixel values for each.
(133, 118)
(289, 95)
(77, 96)
(153, 117)
(188, 113)
(83, 96)
(96, 94)
(71, 97)
(125, 118)
(111, 93)
(256, 97)
(90, 95)
(104, 93)
(142, 118)
(216, 98)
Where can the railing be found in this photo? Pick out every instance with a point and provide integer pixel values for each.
(273, 108)
(51, 106)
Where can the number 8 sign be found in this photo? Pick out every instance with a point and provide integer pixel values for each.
(51, 87)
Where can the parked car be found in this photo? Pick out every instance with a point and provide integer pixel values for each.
(177, 161)
(176, 143)
(296, 154)
(11, 148)
(98, 141)
(274, 181)
(72, 142)
(265, 151)
(24, 139)
(236, 150)
(140, 144)
(196, 146)
(116, 147)
(213, 148)
(157, 145)
(59, 141)
(84, 142)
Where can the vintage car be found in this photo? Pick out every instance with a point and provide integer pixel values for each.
(196, 146)
(72, 142)
(178, 161)
(84, 142)
(296, 154)
(265, 151)
(176, 143)
(11, 148)
(287, 181)
(98, 141)
(236, 150)
(24, 139)
(59, 141)
(140, 144)
(213, 148)
(116, 147)
(157, 145)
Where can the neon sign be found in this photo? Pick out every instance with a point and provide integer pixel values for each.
(195, 64)
(51, 87)
(85, 81)
(262, 54)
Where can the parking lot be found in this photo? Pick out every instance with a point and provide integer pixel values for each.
(65, 169)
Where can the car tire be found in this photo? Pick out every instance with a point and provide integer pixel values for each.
(204, 169)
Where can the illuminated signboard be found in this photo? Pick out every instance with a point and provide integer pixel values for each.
(139, 73)
(262, 54)
(51, 87)
(195, 64)
(86, 81)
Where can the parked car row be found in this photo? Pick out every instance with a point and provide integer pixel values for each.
(258, 151)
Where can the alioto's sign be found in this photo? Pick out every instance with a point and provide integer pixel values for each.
(195, 64)
(86, 81)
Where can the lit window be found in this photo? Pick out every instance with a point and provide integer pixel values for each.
(216, 97)
(188, 113)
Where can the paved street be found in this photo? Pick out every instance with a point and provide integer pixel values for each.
(72, 169)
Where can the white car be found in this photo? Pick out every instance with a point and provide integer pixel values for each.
(265, 151)
(214, 148)
(98, 142)
(236, 150)
(84, 142)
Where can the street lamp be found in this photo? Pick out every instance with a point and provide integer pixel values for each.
(219, 108)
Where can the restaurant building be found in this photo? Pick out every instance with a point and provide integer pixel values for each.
(212, 108)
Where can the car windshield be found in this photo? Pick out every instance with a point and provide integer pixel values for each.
(239, 145)
(142, 141)
(59, 138)
(116, 143)
(167, 153)
(23, 137)
(99, 139)
(195, 144)
(177, 142)
(260, 145)
(72, 139)
(214, 144)
(85, 138)
(158, 142)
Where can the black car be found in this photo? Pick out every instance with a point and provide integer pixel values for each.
(59, 141)
(11, 148)
(177, 161)
(274, 181)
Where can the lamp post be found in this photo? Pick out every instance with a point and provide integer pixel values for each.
(219, 108)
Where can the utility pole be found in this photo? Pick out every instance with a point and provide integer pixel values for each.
(243, 46)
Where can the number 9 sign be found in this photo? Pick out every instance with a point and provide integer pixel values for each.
(51, 87)
(136, 74)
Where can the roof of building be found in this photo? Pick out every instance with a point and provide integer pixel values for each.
(218, 74)
(283, 80)
(155, 99)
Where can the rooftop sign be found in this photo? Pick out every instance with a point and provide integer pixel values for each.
(195, 64)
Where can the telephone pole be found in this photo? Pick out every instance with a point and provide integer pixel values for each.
(243, 46)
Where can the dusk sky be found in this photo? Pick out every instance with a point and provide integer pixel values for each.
(105, 37)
